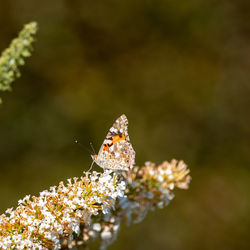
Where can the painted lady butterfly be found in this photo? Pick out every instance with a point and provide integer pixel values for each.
(116, 152)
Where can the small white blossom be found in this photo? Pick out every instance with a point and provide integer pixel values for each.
(106, 235)
(97, 227)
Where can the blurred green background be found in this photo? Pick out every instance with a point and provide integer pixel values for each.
(179, 70)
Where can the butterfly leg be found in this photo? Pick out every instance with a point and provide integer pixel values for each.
(91, 166)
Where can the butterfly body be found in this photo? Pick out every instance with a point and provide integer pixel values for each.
(116, 152)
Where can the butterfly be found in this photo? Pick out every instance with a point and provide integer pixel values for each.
(116, 152)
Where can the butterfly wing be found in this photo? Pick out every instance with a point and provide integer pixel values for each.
(116, 151)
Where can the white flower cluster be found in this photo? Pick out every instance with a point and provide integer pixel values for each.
(153, 186)
(79, 212)
(104, 227)
(42, 222)
(148, 187)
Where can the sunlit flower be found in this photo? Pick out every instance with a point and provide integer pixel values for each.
(90, 207)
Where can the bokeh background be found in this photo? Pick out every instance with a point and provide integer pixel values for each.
(180, 71)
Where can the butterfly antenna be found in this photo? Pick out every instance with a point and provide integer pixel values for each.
(84, 147)
(77, 142)
(91, 145)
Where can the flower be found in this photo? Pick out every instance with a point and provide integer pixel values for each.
(90, 207)
(40, 222)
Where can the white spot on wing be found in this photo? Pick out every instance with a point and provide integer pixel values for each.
(108, 141)
(114, 130)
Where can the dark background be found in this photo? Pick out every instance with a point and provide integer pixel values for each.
(179, 70)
